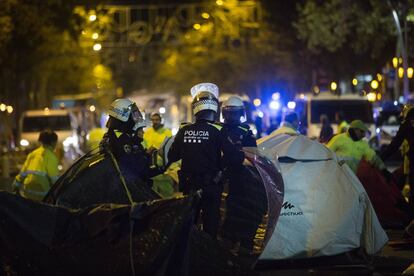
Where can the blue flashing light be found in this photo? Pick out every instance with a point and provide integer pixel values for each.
(395, 103)
(260, 114)
(275, 105)
(276, 96)
(291, 105)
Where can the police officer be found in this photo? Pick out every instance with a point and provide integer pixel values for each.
(234, 113)
(200, 146)
(124, 140)
(243, 214)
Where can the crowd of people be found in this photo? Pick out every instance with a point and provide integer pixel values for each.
(210, 155)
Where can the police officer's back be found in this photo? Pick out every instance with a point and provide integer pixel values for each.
(200, 147)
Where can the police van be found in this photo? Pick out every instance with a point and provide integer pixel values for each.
(311, 106)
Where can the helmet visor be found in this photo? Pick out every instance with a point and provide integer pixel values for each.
(136, 114)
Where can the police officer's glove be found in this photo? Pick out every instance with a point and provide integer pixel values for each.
(104, 144)
(388, 175)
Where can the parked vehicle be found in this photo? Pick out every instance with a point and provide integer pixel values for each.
(310, 107)
(62, 121)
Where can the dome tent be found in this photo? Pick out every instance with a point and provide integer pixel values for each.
(326, 210)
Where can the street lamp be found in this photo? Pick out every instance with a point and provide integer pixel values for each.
(371, 96)
(257, 102)
(2, 107)
(400, 72)
(97, 47)
(410, 72)
(92, 17)
(334, 86)
(354, 82)
(395, 62)
(95, 36)
(379, 77)
(374, 84)
(402, 41)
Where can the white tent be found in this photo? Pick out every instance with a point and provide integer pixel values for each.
(326, 210)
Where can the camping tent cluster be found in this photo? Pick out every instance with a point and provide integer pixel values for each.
(315, 206)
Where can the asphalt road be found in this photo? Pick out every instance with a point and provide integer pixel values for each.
(390, 261)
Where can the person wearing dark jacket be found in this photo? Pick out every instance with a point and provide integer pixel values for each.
(326, 130)
(405, 134)
(243, 213)
(204, 152)
(118, 171)
(123, 139)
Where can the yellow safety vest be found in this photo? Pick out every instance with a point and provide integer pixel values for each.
(343, 127)
(39, 172)
(95, 137)
(154, 138)
(353, 151)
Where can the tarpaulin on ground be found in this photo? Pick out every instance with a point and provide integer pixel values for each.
(48, 240)
(389, 204)
(326, 210)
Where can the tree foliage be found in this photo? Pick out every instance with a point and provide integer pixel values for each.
(362, 26)
(349, 36)
(237, 59)
(39, 52)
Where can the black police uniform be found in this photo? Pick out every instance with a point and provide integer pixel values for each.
(200, 146)
(246, 198)
(130, 154)
(405, 132)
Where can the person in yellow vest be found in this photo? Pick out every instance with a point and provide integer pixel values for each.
(289, 125)
(94, 137)
(342, 123)
(155, 135)
(40, 170)
(352, 148)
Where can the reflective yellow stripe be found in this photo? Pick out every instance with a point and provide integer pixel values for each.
(117, 133)
(31, 192)
(216, 126)
(243, 128)
(184, 124)
(39, 173)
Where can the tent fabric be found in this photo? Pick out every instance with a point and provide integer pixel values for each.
(326, 210)
(41, 239)
(93, 179)
(389, 204)
(273, 188)
(298, 147)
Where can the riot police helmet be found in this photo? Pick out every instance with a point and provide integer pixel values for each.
(205, 98)
(233, 110)
(124, 115)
